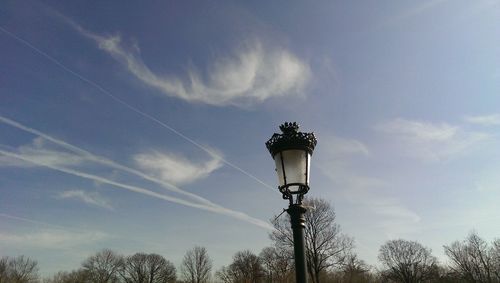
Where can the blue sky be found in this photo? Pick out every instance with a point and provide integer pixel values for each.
(141, 126)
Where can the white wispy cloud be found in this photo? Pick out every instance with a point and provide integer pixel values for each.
(337, 146)
(394, 218)
(51, 239)
(91, 198)
(200, 202)
(418, 9)
(207, 207)
(487, 181)
(337, 153)
(249, 75)
(339, 161)
(37, 151)
(373, 197)
(419, 131)
(99, 159)
(368, 192)
(175, 168)
(430, 141)
(484, 120)
(18, 218)
(116, 99)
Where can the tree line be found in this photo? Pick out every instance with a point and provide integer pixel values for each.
(329, 253)
(107, 266)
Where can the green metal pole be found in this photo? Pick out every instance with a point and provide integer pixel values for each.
(296, 212)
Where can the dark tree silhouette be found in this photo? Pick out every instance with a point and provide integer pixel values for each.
(278, 266)
(474, 260)
(245, 268)
(355, 270)
(19, 269)
(76, 276)
(495, 253)
(326, 247)
(147, 268)
(103, 267)
(407, 261)
(196, 265)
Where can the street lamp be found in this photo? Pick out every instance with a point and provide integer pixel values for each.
(292, 152)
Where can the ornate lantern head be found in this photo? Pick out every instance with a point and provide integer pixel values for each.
(292, 152)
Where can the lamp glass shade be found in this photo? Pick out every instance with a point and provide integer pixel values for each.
(292, 167)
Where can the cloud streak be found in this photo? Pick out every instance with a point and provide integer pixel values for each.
(93, 198)
(418, 9)
(419, 131)
(118, 100)
(203, 204)
(37, 151)
(336, 147)
(430, 141)
(251, 75)
(371, 193)
(140, 190)
(174, 168)
(484, 120)
(51, 239)
(5, 215)
(338, 163)
(101, 160)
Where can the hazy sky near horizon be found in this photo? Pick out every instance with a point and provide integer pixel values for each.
(140, 126)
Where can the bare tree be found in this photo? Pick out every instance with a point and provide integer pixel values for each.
(248, 267)
(196, 265)
(355, 270)
(474, 260)
(160, 269)
(147, 268)
(134, 268)
(76, 276)
(19, 269)
(326, 247)
(245, 268)
(3, 270)
(277, 265)
(225, 274)
(103, 267)
(495, 254)
(407, 261)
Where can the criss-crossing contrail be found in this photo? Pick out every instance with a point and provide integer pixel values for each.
(216, 209)
(127, 105)
(102, 160)
(99, 159)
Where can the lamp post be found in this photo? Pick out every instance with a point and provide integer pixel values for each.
(292, 152)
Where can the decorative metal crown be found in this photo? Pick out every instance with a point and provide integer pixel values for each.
(291, 139)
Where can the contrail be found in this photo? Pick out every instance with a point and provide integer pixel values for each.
(416, 10)
(216, 209)
(31, 221)
(68, 228)
(127, 105)
(103, 160)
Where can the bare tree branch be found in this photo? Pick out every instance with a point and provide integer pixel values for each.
(407, 261)
(326, 247)
(196, 265)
